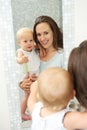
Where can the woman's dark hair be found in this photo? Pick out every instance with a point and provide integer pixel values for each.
(57, 34)
(77, 66)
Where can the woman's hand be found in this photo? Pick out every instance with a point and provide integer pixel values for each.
(26, 83)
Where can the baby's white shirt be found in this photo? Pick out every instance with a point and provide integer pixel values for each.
(33, 64)
(51, 122)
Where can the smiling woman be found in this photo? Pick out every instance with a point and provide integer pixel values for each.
(11, 105)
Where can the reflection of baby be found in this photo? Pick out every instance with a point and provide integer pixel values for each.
(28, 59)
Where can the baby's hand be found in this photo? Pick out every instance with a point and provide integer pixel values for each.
(33, 77)
(25, 59)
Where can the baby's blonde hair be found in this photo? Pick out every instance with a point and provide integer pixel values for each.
(55, 87)
(21, 32)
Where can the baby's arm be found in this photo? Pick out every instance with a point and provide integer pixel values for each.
(75, 120)
(32, 100)
(21, 58)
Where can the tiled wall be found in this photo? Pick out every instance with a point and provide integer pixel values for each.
(8, 56)
(68, 27)
(7, 44)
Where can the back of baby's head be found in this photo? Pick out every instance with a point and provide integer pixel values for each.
(22, 31)
(55, 86)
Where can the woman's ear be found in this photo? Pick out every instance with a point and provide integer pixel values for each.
(73, 94)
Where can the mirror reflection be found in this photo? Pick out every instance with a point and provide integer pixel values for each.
(24, 15)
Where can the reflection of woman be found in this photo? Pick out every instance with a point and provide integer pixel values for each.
(49, 38)
(48, 35)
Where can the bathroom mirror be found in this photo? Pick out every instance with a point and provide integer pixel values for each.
(25, 12)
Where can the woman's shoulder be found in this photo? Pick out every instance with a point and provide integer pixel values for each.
(60, 50)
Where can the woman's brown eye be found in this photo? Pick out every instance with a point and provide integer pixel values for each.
(25, 41)
(38, 35)
(46, 33)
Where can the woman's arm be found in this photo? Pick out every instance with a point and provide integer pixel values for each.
(75, 120)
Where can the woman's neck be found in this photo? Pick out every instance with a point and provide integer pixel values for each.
(49, 54)
(50, 50)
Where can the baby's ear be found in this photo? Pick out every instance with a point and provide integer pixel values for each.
(19, 43)
(38, 97)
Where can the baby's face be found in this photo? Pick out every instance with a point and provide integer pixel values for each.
(27, 42)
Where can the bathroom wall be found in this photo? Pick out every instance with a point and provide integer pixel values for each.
(80, 21)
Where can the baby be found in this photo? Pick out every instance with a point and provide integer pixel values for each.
(28, 59)
(54, 88)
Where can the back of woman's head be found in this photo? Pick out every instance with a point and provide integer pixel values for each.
(77, 66)
(57, 34)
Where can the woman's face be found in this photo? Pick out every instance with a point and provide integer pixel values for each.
(44, 35)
